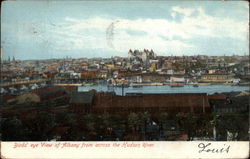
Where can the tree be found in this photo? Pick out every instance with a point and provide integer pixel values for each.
(91, 126)
(70, 119)
(119, 124)
(144, 119)
(40, 125)
(133, 121)
(204, 126)
(162, 119)
(76, 124)
(119, 121)
(214, 123)
(234, 124)
(188, 122)
(107, 124)
(13, 129)
(180, 117)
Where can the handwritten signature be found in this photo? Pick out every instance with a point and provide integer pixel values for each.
(209, 148)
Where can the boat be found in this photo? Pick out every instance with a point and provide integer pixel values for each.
(68, 84)
(204, 84)
(135, 85)
(156, 84)
(138, 86)
(88, 84)
(177, 84)
(195, 85)
(124, 85)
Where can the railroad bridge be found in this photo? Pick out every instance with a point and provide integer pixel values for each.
(23, 82)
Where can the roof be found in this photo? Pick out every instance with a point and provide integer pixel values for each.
(217, 97)
(154, 100)
(217, 74)
(27, 98)
(8, 96)
(49, 90)
(82, 97)
(245, 93)
(70, 88)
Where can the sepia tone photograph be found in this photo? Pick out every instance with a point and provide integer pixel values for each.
(124, 70)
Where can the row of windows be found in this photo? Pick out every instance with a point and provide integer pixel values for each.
(229, 110)
(151, 109)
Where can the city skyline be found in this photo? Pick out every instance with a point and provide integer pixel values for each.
(53, 29)
(13, 58)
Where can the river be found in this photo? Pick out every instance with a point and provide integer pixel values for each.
(209, 89)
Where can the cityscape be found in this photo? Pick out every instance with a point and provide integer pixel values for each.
(116, 99)
(130, 71)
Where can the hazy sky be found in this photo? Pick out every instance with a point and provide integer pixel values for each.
(56, 29)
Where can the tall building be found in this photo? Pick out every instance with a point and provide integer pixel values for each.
(144, 55)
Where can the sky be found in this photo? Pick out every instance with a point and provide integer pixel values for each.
(77, 29)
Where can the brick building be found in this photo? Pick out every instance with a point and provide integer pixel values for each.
(81, 102)
(187, 102)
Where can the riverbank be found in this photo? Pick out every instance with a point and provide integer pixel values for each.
(209, 89)
(153, 84)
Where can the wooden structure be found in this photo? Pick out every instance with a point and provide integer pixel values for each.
(181, 102)
(81, 102)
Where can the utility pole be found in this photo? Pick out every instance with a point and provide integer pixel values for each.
(122, 89)
(1, 64)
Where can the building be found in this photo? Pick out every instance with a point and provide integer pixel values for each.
(154, 103)
(81, 102)
(143, 56)
(236, 104)
(216, 78)
(27, 98)
(53, 96)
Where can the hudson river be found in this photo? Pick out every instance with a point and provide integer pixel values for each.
(210, 89)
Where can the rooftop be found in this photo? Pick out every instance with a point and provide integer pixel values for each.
(82, 97)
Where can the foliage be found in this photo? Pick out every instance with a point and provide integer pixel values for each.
(40, 125)
(133, 121)
(13, 129)
(237, 124)
(188, 122)
(163, 117)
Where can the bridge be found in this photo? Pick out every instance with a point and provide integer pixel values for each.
(37, 81)
(22, 82)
